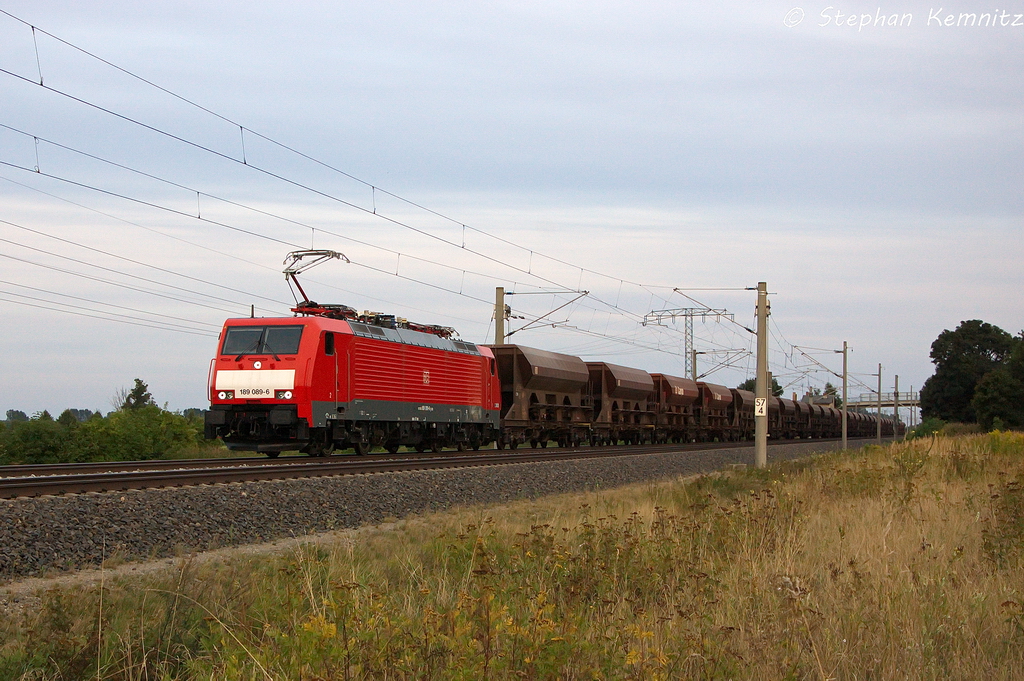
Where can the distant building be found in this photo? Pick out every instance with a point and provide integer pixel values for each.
(819, 400)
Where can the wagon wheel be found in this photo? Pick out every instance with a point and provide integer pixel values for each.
(392, 449)
(461, 446)
(273, 455)
(361, 448)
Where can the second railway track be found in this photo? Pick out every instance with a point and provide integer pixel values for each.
(57, 479)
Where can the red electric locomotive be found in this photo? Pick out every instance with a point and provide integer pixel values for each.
(333, 379)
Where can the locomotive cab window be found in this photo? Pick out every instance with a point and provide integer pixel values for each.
(329, 343)
(261, 340)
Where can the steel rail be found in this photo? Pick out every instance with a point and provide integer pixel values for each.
(80, 468)
(77, 468)
(41, 469)
(182, 476)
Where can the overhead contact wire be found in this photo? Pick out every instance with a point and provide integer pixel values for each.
(274, 175)
(107, 318)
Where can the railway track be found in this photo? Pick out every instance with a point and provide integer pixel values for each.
(57, 479)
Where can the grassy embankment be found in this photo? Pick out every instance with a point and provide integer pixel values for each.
(885, 563)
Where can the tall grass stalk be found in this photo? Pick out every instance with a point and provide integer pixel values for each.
(888, 562)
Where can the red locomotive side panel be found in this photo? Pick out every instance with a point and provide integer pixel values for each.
(381, 370)
(376, 370)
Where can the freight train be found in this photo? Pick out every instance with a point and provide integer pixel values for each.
(331, 379)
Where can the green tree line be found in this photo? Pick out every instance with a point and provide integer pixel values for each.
(979, 377)
(137, 430)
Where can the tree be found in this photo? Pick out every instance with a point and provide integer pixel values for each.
(138, 397)
(68, 419)
(16, 415)
(833, 392)
(751, 383)
(999, 396)
(962, 357)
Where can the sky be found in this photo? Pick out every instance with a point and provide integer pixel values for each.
(862, 159)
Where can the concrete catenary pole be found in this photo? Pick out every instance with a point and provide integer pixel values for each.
(499, 315)
(761, 380)
(844, 395)
(878, 434)
(913, 410)
(896, 409)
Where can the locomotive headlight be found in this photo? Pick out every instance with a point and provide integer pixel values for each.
(283, 394)
(226, 395)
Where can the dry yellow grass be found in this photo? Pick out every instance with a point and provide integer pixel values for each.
(903, 562)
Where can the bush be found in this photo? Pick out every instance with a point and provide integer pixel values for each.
(38, 440)
(146, 432)
(930, 426)
(956, 429)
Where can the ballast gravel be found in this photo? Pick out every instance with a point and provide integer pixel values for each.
(53, 534)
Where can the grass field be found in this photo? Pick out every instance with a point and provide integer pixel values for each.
(899, 562)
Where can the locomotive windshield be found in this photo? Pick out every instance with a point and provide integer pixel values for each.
(261, 340)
